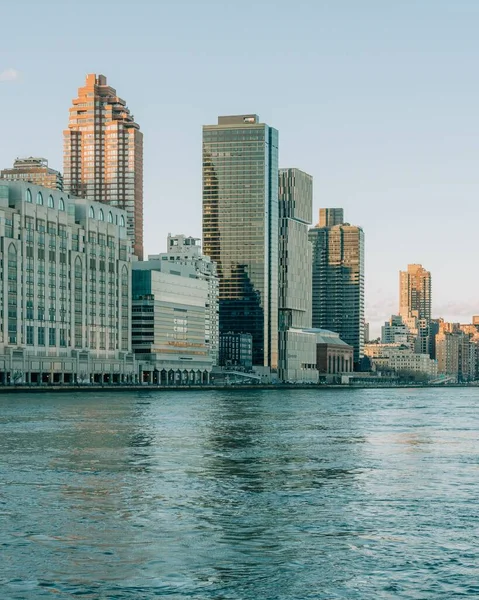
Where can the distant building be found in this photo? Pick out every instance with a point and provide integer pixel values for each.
(400, 359)
(456, 352)
(36, 171)
(103, 154)
(415, 304)
(366, 332)
(338, 279)
(184, 257)
(297, 350)
(236, 350)
(240, 227)
(395, 331)
(66, 289)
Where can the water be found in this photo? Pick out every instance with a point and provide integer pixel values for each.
(243, 495)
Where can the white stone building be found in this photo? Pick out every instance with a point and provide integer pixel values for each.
(65, 289)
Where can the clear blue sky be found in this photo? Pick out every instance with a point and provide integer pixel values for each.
(377, 99)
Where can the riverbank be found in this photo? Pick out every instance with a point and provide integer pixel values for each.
(53, 389)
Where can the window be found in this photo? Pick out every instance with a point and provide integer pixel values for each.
(101, 216)
(28, 196)
(51, 203)
(41, 336)
(39, 198)
(91, 212)
(52, 337)
(110, 217)
(61, 204)
(122, 221)
(30, 335)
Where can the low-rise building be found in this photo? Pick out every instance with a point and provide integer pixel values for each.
(333, 355)
(401, 359)
(65, 289)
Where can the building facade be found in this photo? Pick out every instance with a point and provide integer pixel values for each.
(240, 227)
(236, 350)
(296, 352)
(338, 280)
(103, 154)
(333, 355)
(34, 170)
(184, 257)
(65, 289)
(168, 323)
(415, 305)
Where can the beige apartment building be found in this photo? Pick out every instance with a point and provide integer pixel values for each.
(103, 154)
(34, 170)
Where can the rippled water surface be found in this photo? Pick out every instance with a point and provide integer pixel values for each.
(368, 494)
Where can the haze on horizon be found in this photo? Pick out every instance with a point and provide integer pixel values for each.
(376, 100)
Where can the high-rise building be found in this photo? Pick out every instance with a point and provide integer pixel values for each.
(36, 171)
(184, 257)
(240, 227)
(415, 304)
(328, 217)
(338, 281)
(66, 290)
(415, 293)
(297, 349)
(103, 154)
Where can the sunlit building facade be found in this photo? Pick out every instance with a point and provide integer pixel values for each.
(103, 154)
(240, 227)
(338, 280)
(36, 171)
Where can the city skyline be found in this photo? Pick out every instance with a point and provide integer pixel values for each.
(389, 133)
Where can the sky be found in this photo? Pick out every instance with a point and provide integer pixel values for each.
(376, 99)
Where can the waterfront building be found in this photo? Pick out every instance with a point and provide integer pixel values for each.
(333, 355)
(34, 170)
(103, 154)
(184, 257)
(168, 323)
(236, 350)
(240, 227)
(66, 288)
(401, 359)
(297, 351)
(456, 351)
(338, 279)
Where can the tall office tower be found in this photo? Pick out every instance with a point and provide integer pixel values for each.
(415, 304)
(240, 227)
(184, 257)
(338, 282)
(297, 349)
(35, 170)
(103, 154)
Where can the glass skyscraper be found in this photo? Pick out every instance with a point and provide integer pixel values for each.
(338, 279)
(240, 227)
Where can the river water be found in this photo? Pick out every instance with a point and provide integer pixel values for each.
(287, 494)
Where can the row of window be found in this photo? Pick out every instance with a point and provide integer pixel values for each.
(61, 206)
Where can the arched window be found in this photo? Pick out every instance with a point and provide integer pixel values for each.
(110, 217)
(91, 213)
(28, 196)
(101, 216)
(51, 203)
(61, 204)
(39, 198)
(122, 221)
(116, 219)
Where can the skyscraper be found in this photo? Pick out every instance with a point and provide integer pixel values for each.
(35, 170)
(415, 304)
(415, 293)
(297, 349)
(240, 227)
(103, 154)
(338, 279)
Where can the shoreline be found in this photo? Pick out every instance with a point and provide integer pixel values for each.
(56, 389)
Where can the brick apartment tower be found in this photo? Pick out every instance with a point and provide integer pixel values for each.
(103, 154)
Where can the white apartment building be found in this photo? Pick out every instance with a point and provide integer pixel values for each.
(65, 288)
